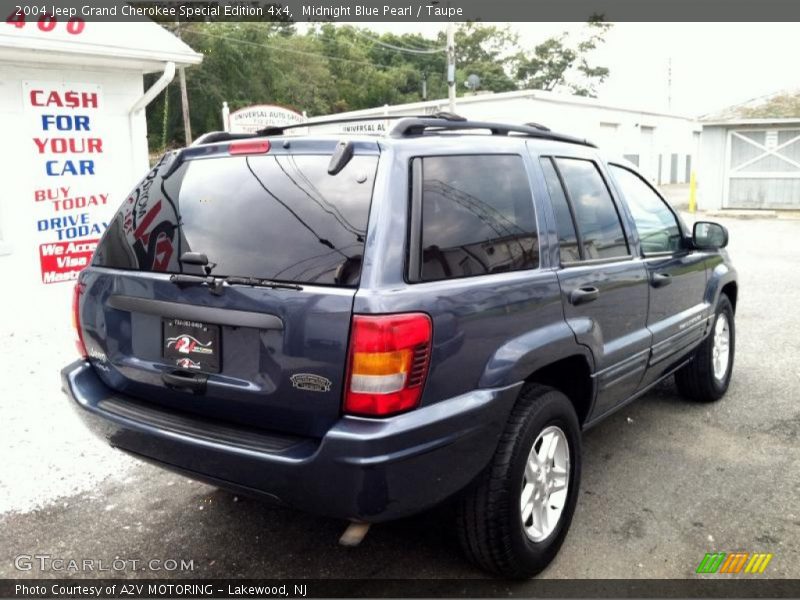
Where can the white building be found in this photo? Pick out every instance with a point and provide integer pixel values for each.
(750, 163)
(74, 141)
(665, 146)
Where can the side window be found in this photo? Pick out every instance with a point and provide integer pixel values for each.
(477, 217)
(658, 229)
(598, 222)
(567, 239)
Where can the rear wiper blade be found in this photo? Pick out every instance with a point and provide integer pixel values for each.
(257, 282)
(182, 278)
(215, 283)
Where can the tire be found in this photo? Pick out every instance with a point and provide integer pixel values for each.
(489, 513)
(700, 380)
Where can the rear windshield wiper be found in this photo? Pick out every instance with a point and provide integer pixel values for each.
(257, 282)
(215, 284)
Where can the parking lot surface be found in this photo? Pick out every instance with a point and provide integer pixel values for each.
(664, 481)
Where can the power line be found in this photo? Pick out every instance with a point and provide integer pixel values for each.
(399, 48)
(290, 50)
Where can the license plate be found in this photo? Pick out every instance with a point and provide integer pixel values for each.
(191, 345)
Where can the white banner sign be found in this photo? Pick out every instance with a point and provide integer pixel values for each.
(69, 170)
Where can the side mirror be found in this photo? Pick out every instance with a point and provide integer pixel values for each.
(707, 235)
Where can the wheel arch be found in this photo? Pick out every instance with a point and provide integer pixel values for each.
(571, 375)
(722, 279)
(731, 290)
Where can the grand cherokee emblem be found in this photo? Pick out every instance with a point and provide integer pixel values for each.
(310, 382)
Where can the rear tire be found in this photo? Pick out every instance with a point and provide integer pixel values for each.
(515, 516)
(707, 377)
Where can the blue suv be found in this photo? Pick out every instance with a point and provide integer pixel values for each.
(368, 327)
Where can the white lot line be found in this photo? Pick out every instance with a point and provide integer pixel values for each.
(47, 453)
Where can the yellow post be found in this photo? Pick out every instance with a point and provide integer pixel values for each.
(693, 193)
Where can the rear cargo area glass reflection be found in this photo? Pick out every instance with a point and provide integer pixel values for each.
(280, 217)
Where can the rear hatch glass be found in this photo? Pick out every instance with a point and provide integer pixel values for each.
(273, 216)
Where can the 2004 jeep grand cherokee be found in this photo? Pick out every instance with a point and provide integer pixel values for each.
(370, 326)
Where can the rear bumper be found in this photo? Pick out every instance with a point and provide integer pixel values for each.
(366, 469)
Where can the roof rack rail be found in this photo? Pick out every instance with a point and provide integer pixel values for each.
(408, 126)
(419, 125)
(278, 129)
(225, 136)
(538, 126)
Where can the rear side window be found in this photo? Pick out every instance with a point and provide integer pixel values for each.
(477, 217)
(597, 219)
(279, 217)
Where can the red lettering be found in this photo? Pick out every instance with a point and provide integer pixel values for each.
(54, 98)
(17, 19)
(70, 99)
(89, 100)
(47, 22)
(75, 25)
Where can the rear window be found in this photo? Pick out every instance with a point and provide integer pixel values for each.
(477, 217)
(278, 216)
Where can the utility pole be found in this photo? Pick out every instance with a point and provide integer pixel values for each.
(451, 66)
(669, 84)
(187, 126)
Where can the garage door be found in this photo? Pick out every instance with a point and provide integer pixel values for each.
(763, 169)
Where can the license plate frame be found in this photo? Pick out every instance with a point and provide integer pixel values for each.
(191, 345)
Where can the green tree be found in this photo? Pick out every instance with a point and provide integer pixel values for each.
(560, 63)
(334, 68)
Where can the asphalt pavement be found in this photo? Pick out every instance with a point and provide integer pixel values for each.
(664, 480)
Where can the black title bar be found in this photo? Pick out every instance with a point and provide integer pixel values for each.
(406, 10)
(705, 587)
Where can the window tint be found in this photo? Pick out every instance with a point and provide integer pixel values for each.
(658, 229)
(269, 216)
(597, 218)
(567, 240)
(477, 217)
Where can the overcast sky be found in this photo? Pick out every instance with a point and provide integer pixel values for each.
(713, 64)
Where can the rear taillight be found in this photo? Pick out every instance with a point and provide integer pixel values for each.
(76, 319)
(387, 363)
(249, 147)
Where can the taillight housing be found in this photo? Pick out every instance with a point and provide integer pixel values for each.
(387, 363)
(77, 291)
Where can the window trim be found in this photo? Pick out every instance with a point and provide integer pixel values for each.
(570, 208)
(412, 273)
(578, 234)
(684, 248)
(413, 270)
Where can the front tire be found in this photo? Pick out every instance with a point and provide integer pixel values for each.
(707, 377)
(515, 516)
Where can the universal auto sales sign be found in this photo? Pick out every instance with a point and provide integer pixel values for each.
(68, 147)
(252, 118)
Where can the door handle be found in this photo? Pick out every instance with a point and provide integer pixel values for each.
(661, 279)
(185, 381)
(584, 295)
